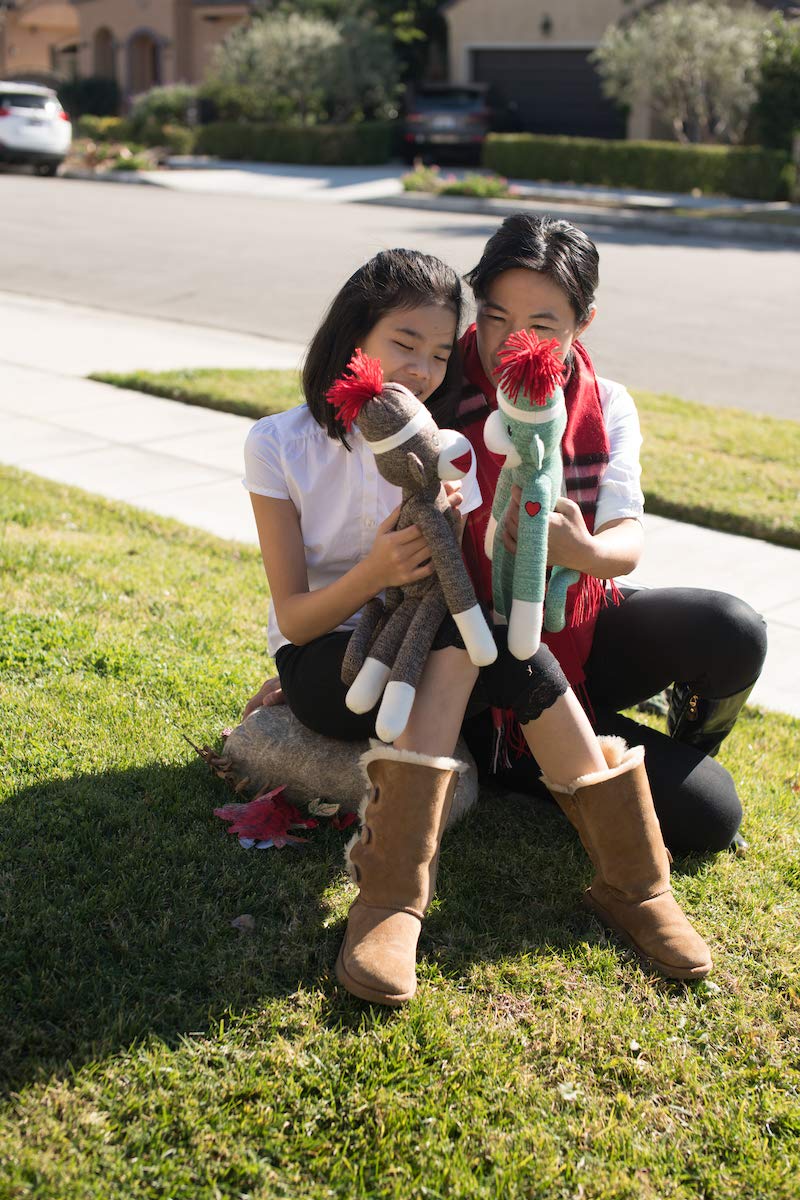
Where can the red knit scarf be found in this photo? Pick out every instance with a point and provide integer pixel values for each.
(585, 451)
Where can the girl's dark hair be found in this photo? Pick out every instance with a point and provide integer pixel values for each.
(556, 249)
(392, 279)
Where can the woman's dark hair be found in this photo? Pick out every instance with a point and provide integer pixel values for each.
(392, 279)
(556, 249)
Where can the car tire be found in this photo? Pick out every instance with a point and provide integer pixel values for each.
(47, 169)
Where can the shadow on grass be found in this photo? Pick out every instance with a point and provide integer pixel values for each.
(120, 889)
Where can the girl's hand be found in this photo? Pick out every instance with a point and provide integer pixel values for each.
(455, 498)
(398, 557)
(269, 693)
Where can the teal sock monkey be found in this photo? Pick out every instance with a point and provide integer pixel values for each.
(527, 428)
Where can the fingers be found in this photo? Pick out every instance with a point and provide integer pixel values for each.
(388, 523)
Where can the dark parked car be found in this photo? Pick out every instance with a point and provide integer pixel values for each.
(451, 120)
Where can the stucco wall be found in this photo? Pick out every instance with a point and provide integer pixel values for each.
(26, 47)
(124, 18)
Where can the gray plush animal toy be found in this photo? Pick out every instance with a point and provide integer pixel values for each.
(389, 647)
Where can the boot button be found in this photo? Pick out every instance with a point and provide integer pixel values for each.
(376, 794)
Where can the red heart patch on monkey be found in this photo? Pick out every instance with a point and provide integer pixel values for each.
(532, 507)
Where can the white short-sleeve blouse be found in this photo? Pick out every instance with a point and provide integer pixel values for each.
(339, 495)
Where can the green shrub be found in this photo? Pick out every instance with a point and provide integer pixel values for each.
(746, 171)
(422, 178)
(93, 95)
(776, 115)
(178, 139)
(103, 129)
(485, 187)
(132, 162)
(161, 106)
(364, 144)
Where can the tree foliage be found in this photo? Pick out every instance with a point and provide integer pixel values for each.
(695, 61)
(411, 24)
(304, 69)
(776, 116)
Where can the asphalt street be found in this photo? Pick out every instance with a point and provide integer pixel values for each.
(701, 319)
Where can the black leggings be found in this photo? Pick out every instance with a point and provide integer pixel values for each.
(709, 640)
(312, 684)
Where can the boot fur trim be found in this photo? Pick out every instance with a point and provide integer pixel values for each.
(378, 752)
(620, 757)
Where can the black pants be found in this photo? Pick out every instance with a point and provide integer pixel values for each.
(312, 684)
(654, 638)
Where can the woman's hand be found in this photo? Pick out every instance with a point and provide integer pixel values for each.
(398, 556)
(511, 520)
(268, 694)
(569, 543)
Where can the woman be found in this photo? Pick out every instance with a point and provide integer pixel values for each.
(619, 648)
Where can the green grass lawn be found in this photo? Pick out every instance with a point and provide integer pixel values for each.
(149, 1048)
(717, 467)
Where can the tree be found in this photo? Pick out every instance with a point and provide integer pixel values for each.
(695, 61)
(304, 70)
(412, 24)
(776, 116)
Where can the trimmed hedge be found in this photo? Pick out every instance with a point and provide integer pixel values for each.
(366, 144)
(749, 172)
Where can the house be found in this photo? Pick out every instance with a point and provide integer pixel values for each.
(38, 40)
(536, 52)
(142, 43)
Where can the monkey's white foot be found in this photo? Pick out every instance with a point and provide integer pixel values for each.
(395, 709)
(525, 628)
(477, 636)
(365, 690)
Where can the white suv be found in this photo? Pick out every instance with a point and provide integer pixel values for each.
(33, 127)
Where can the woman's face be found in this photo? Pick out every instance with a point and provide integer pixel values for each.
(414, 346)
(524, 299)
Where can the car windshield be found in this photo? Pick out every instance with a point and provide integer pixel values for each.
(24, 100)
(457, 100)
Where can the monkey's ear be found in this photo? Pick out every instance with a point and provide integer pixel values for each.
(415, 469)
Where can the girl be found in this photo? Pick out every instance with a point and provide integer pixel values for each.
(326, 521)
(542, 273)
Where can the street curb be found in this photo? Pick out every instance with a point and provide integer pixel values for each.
(716, 228)
(595, 217)
(129, 177)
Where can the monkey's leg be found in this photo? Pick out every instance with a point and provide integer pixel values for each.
(398, 698)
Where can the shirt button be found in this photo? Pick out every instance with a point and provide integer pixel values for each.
(370, 524)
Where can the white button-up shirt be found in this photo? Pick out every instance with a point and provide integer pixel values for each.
(340, 496)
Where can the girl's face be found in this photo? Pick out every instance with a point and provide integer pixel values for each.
(524, 299)
(414, 346)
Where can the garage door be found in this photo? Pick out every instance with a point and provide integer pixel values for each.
(556, 91)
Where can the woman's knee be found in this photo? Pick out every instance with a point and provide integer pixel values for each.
(744, 636)
(703, 813)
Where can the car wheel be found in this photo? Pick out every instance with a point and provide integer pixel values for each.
(47, 169)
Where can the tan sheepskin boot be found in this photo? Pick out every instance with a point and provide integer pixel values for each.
(393, 860)
(613, 813)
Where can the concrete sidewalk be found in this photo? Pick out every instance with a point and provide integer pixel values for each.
(186, 462)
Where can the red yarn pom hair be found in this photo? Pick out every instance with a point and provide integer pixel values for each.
(361, 382)
(529, 366)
